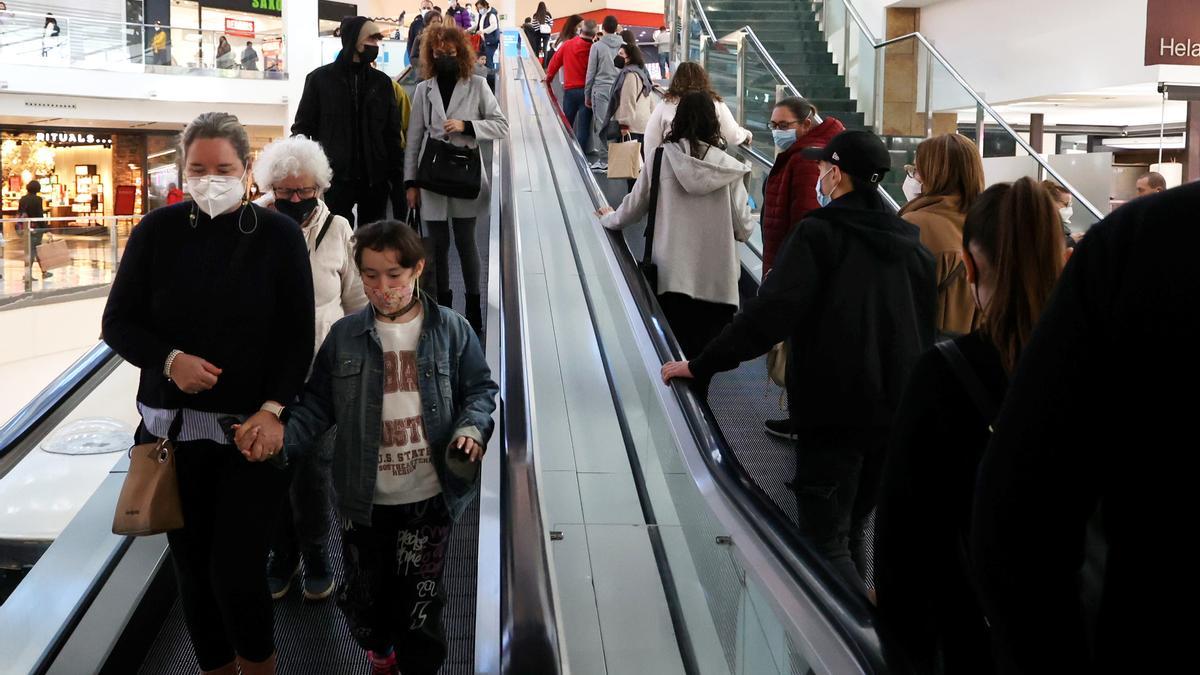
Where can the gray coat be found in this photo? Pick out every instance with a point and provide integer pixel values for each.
(472, 101)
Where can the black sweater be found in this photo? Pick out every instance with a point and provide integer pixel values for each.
(244, 302)
(922, 581)
(1100, 413)
(854, 293)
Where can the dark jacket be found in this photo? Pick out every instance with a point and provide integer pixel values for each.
(854, 295)
(414, 30)
(1100, 415)
(350, 109)
(790, 192)
(346, 389)
(32, 206)
(243, 302)
(925, 595)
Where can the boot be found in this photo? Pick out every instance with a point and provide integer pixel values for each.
(446, 299)
(227, 669)
(474, 312)
(257, 667)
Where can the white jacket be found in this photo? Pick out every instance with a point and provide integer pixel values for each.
(703, 211)
(337, 286)
(660, 124)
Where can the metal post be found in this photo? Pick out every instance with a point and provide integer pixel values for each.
(29, 256)
(741, 82)
(979, 127)
(685, 33)
(780, 93)
(704, 52)
(112, 235)
(928, 95)
(846, 45)
(877, 122)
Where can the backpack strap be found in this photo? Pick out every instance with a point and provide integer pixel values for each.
(324, 230)
(984, 403)
(650, 215)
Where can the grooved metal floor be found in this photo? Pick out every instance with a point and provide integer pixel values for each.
(312, 637)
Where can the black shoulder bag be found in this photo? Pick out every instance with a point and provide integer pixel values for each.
(987, 407)
(447, 169)
(324, 231)
(649, 269)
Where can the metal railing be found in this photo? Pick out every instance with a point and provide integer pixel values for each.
(831, 13)
(102, 44)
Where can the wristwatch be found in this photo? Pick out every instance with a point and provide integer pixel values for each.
(273, 408)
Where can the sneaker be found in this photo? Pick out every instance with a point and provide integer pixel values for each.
(318, 580)
(599, 165)
(383, 665)
(781, 429)
(280, 575)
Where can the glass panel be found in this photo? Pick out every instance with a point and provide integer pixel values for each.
(27, 38)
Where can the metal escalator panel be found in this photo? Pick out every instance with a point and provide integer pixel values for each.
(752, 597)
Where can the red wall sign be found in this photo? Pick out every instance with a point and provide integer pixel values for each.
(239, 28)
(1173, 32)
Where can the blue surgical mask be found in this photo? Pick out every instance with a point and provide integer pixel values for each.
(822, 198)
(784, 138)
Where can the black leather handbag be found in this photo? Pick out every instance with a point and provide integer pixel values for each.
(450, 170)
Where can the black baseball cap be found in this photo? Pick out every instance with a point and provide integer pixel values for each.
(859, 153)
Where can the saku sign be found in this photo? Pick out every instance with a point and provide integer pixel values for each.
(269, 7)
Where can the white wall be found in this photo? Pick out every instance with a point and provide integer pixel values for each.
(1016, 49)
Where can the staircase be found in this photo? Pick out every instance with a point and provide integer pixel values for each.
(791, 33)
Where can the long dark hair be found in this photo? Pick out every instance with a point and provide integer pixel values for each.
(690, 76)
(569, 27)
(696, 122)
(633, 54)
(541, 13)
(1016, 227)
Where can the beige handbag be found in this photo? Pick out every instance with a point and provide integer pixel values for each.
(777, 364)
(149, 501)
(625, 159)
(53, 254)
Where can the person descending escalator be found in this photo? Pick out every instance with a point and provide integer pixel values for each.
(1012, 255)
(702, 211)
(410, 437)
(854, 295)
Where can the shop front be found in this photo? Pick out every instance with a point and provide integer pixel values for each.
(217, 34)
(86, 175)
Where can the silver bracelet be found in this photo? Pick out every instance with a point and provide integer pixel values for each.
(170, 361)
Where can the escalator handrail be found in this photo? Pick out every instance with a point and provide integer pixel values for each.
(42, 406)
(529, 628)
(846, 611)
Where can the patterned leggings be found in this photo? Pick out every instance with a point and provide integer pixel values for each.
(393, 595)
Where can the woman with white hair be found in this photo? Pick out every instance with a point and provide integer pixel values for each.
(293, 174)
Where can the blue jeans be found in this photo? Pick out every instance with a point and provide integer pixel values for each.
(573, 107)
(664, 60)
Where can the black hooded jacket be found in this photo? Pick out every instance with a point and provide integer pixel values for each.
(350, 109)
(854, 293)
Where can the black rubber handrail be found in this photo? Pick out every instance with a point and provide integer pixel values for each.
(845, 609)
(529, 640)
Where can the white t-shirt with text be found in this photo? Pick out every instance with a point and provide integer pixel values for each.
(406, 473)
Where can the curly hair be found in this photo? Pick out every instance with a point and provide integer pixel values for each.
(446, 38)
(294, 156)
(690, 76)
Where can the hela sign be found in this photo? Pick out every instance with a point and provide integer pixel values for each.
(1172, 32)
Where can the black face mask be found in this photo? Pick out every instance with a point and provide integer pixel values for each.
(619, 62)
(369, 53)
(446, 66)
(297, 211)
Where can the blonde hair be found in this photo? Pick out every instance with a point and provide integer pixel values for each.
(950, 165)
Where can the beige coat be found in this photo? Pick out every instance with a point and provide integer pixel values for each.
(634, 108)
(940, 220)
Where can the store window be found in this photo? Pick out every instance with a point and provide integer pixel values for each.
(228, 34)
(85, 174)
(163, 169)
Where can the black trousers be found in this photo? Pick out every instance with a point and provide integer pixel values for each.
(302, 528)
(341, 198)
(694, 322)
(393, 595)
(837, 486)
(468, 252)
(220, 554)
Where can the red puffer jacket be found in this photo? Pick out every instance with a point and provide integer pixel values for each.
(791, 190)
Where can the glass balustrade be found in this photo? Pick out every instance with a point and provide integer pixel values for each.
(26, 39)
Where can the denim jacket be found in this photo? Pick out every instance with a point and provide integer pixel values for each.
(346, 389)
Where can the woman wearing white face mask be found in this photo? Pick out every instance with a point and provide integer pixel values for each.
(941, 188)
(213, 302)
(1062, 201)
